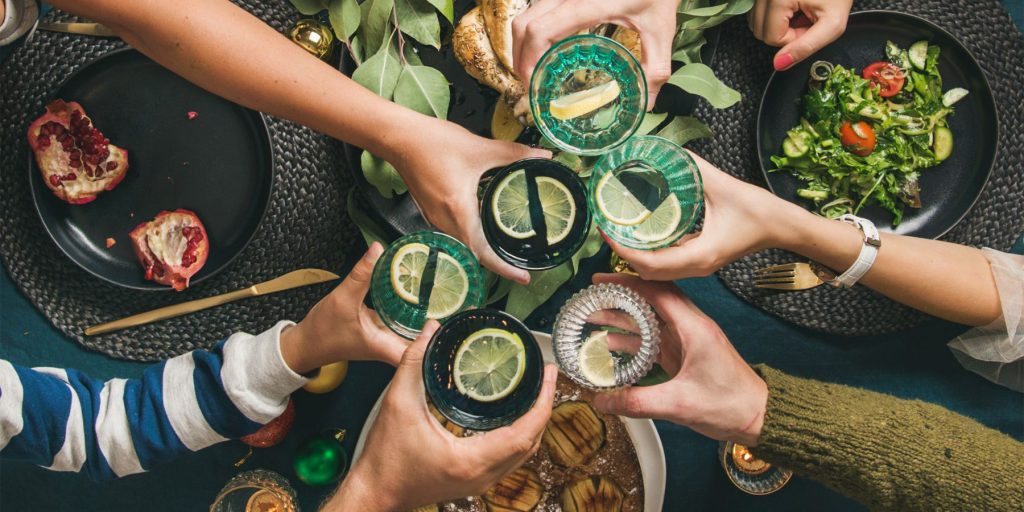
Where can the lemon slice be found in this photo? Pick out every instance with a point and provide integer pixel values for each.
(451, 286)
(597, 364)
(559, 208)
(407, 271)
(511, 206)
(662, 223)
(583, 102)
(618, 204)
(504, 125)
(489, 364)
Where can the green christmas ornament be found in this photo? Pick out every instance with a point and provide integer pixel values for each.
(322, 460)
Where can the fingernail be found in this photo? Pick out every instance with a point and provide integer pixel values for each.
(375, 249)
(783, 61)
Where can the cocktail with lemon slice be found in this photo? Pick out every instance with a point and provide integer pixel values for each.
(588, 94)
(422, 276)
(482, 369)
(534, 213)
(646, 193)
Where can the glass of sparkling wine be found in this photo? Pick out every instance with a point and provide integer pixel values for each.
(483, 369)
(422, 276)
(605, 337)
(534, 213)
(646, 193)
(587, 94)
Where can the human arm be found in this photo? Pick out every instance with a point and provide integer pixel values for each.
(410, 460)
(229, 52)
(889, 453)
(549, 21)
(799, 27)
(949, 281)
(67, 421)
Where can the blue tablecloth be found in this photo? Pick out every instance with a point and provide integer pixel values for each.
(912, 364)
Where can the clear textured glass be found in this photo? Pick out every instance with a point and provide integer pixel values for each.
(581, 63)
(407, 318)
(615, 309)
(535, 252)
(750, 474)
(439, 363)
(652, 170)
(256, 490)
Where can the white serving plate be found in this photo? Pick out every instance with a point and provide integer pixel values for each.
(642, 432)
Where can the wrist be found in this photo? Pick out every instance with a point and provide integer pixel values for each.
(301, 355)
(751, 433)
(356, 494)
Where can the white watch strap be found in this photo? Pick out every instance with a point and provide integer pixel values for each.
(868, 252)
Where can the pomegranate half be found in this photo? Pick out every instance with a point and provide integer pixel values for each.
(172, 247)
(77, 162)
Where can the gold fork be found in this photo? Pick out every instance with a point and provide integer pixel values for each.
(792, 276)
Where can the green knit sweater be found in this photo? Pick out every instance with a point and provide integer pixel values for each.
(888, 453)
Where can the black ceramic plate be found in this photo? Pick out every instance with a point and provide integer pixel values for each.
(218, 165)
(472, 107)
(949, 190)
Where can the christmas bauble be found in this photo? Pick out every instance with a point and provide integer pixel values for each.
(330, 377)
(273, 432)
(321, 460)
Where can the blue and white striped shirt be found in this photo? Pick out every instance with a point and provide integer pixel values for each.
(65, 421)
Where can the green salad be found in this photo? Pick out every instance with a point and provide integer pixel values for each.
(864, 138)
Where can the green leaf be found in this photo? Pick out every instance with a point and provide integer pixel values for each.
(702, 12)
(500, 291)
(446, 8)
(380, 73)
(569, 160)
(345, 18)
(523, 300)
(685, 38)
(425, 90)
(690, 53)
(684, 129)
(371, 231)
(382, 175)
(376, 25)
(309, 7)
(701, 80)
(591, 246)
(650, 122)
(417, 19)
(411, 57)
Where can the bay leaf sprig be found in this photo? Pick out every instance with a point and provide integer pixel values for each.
(693, 18)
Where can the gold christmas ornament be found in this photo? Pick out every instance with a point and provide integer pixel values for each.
(314, 37)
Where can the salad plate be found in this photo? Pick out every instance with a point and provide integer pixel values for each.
(642, 433)
(949, 188)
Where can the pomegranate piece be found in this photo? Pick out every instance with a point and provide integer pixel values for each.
(171, 248)
(77, 161)
(111, 242)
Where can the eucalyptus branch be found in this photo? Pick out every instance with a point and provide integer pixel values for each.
(401, 39)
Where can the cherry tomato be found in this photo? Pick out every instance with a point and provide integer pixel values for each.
(858, 138)
(887, 76)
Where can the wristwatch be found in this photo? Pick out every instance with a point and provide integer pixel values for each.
(866, 258)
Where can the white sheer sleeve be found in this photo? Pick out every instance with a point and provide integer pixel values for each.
(996, 351)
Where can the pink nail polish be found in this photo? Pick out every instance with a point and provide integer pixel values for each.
(783, 61)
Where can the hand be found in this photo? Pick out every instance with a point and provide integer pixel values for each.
(443, 173)
(341, 328)
(548, 21)
(739, 219)
(800, 27)
(713, 390)
(410, 460)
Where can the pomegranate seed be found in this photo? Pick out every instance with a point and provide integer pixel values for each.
(149, 273)
(111, 165)
(43, 141)
(75, 163)
(192, 114)
(111, 242)
(54, 180)
(70, 177)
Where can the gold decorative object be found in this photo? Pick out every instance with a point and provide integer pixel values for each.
(256, 491)
(314, 37)
(621, 266)
(750, 474)
(747, 462)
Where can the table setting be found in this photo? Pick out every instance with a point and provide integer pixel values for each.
(276, 213)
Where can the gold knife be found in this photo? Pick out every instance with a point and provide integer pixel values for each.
(304, 277)
(84, 29)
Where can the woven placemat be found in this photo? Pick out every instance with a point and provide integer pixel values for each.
(996, 221)
(307, 174)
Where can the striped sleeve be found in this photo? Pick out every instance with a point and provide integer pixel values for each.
(65, 421)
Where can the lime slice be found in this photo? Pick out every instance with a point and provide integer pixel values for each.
(407, 270)
(559, 208)
(597, 364)
(451, 286)
(489, 364)
(618, 204)
(662, 223)
(511, 206)
(583, 102)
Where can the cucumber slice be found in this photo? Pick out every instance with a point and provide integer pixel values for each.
(807, 193)
(953, 95)
(808, 127)
(943, 145)
(795, 147)
(919, 54)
